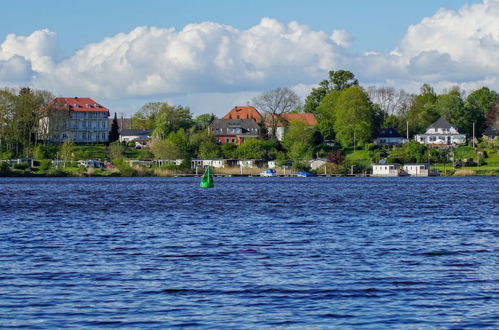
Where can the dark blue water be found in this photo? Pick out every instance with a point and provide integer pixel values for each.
(250, 253)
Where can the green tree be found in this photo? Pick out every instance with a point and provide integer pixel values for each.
(326, 115)
(204, 145)
(354, 122)
(299, 137)
(66, 151)
(114, 134)
(422, 112)
(253, 148)
(337, 81)
(146, 117)
(116, 151)
(172, 118)
(202, 122)
(229, 151)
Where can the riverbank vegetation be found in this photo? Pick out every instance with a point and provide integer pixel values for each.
(348, 118)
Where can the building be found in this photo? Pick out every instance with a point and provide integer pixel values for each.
(234, 130)
(390, 170)
(247, 112)
(420, 169)
(82, 120)
(491, 133)
(389, 137)
(441, 134)
(141, 137)
(286, 118)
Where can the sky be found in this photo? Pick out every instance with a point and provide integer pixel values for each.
(214, 55)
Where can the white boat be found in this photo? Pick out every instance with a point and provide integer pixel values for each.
(268, 173)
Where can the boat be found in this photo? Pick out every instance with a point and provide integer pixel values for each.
(304, 174)
(207, 180)
(268, 173)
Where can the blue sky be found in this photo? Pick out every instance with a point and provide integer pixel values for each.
(52, 42)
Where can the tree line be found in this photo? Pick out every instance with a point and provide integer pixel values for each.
(346, 113)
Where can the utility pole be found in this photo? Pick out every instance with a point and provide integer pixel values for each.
(473, 134)
(407, 129)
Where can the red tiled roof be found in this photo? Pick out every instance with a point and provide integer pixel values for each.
(307, 118)
(77, 104)
(247, 112)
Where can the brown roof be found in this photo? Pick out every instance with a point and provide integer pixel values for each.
(247, 112)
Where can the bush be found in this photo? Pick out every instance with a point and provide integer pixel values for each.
(45, 164)
(4, 168)
(21, 166)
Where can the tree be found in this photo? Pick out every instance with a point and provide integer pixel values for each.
(253, 148)
(275, 103)
(326, 115)
(336, 157)
(175, 146)
(354, 117)
(203, 121)
(19, 119)
(170, 119)
(116, 151)
(422, 112)
(337, 81)
(146, 117)
(66, 151)
(390, 100)
(114, 134)
(204, 145)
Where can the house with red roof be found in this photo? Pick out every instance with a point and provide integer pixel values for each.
(80, 119)
(247, 112)
(286, 118)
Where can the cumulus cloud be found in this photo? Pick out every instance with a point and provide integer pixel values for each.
(200, 58)
(211, 59)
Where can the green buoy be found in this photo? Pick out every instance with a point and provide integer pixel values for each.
(207, 181)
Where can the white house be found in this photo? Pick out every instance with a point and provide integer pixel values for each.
(80, 119)
(317, 163)
(139, 136)
(216, 163)
(441, 134)
(420, 169)
(389, 137)
(383, 169)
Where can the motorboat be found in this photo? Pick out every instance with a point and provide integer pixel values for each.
(268, 173)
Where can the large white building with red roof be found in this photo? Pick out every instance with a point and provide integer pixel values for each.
(79, 119)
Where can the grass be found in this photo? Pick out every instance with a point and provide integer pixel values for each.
(359, 154)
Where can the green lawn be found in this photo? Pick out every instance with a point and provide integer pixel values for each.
(357, 154)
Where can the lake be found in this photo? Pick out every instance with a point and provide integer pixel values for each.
(249, 253)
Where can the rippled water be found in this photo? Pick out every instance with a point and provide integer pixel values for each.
(252, 252)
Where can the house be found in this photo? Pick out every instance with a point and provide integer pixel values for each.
(441, 134)
(234, 130)
(420, 169)
(286, 118)
(317, 163)
(216, 163)
(491, 133)
(389, 137)
(139, 136)
(252, 163)
(82, 120)
(388, 170)
(161, 162)
(247, 112)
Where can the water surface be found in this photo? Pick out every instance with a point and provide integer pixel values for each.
(252, 252)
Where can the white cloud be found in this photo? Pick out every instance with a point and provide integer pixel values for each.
(209, 60)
